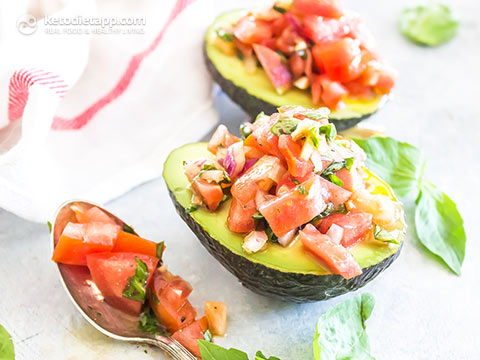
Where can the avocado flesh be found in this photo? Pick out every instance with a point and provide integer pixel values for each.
(254, 92)
(292, 259)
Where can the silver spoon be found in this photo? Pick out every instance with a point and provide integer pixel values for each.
(87, 299)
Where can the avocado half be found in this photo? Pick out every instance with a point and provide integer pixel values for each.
(255, 93)
(289, 273)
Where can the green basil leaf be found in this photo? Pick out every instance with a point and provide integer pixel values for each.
(284, 126)
(429, 24)
(313, 135)
(148, 322)
(398, 163)
(394, 237)
(333, 168)
(127, 228)
(222, 34)
(340, 332)
(191, 209)
(329, 130)
(7, 351)
(49, 224)
(259, 356)
(210, 351)
(245, 131)
(336, 180)
(279, 9)
(136, 285)
(439, 226)
(159, 250)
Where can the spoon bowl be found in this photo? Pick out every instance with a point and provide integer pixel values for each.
(89, 301)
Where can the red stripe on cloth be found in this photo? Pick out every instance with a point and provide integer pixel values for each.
(82, 119)
(20, 83)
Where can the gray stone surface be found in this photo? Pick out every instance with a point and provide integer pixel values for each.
(423, 311)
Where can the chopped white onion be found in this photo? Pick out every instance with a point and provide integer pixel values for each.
(335, 233)
(286, 239)
(255, 241)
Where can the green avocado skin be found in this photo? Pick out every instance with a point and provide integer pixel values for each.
(253, 105)
(286, 286)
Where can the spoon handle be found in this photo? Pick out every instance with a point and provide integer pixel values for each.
(172, 348)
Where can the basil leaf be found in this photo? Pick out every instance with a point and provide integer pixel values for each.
(333, 168)
(148, 322)
(313, 135)
(340, 332)
(222, 34)
(271, 236)
(302, 190)
(318, 115)
(398, 163)
(136, 285)
(191, 209)
(329, 130)
(245, 131)
(439, 226)
(429, 24)
(49, 224)
(159, 250)
(279, 9)
(349, 163)
(259, 356)
(210, 351)
(394, 237)
(257, 219)
(284, 126)
(336, 180)
(128, 229)
(7, 351)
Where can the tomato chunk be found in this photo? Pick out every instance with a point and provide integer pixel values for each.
(291, 150)
(341, 59)
(273, 65)
(355, 224)
(249, 30)
(79, 240)
(334, 255)
(189, 336)
(262, 175)
(240, 217)
(334, 194)
(127, 242)
(94, 214)
(327, 8)
(168, 300)
(221, 136)
(212, 194)
(216, 313)
(295, 207)
(111, 273)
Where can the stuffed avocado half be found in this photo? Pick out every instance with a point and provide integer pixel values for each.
(305, 230)
(254, 78)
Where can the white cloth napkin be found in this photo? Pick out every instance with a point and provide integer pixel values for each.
(117, 121)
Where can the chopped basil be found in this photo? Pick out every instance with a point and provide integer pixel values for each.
(329, 130)
(128, 229)
(302, 190)
(160, 248)
(136, 285)
(330, 209)
(336, 180)
(49, 224)
(260, 114)
(295, 181)
(349, 163)
(333, 168)
(225, 36)
(313, 135)
(282, 55)
(271, 236)
(155, 299)
(207, 336)
(381, 234)
(184, 163)
(259, 356)
(279, 9)
(315, 115)
(284, 126)
(245, 131)
(257, 218)
(191, 209)
(240, 55)
(303, 55)
(148, 322)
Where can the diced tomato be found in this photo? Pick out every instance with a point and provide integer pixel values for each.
(286, 182)
(334, 255)
(347, 178)
(240, 216)
(211, 193)
(334, 193)
(262, 175)
(332, 92)
(111, 272)
(278, 25)
(291, 150)
(221, 136)
(189, 336)
(168, 300)
(355, 224)
(78, 240)
(386, 80)
(216, 313)
(295, 207)
(287, 40)
(249, 30)
(316, 88)
(94, 214)
(127, 242)
(341, 59)
(297, 65)
(358, 88)
(273, 65)
(322, 30)
(327, 8)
